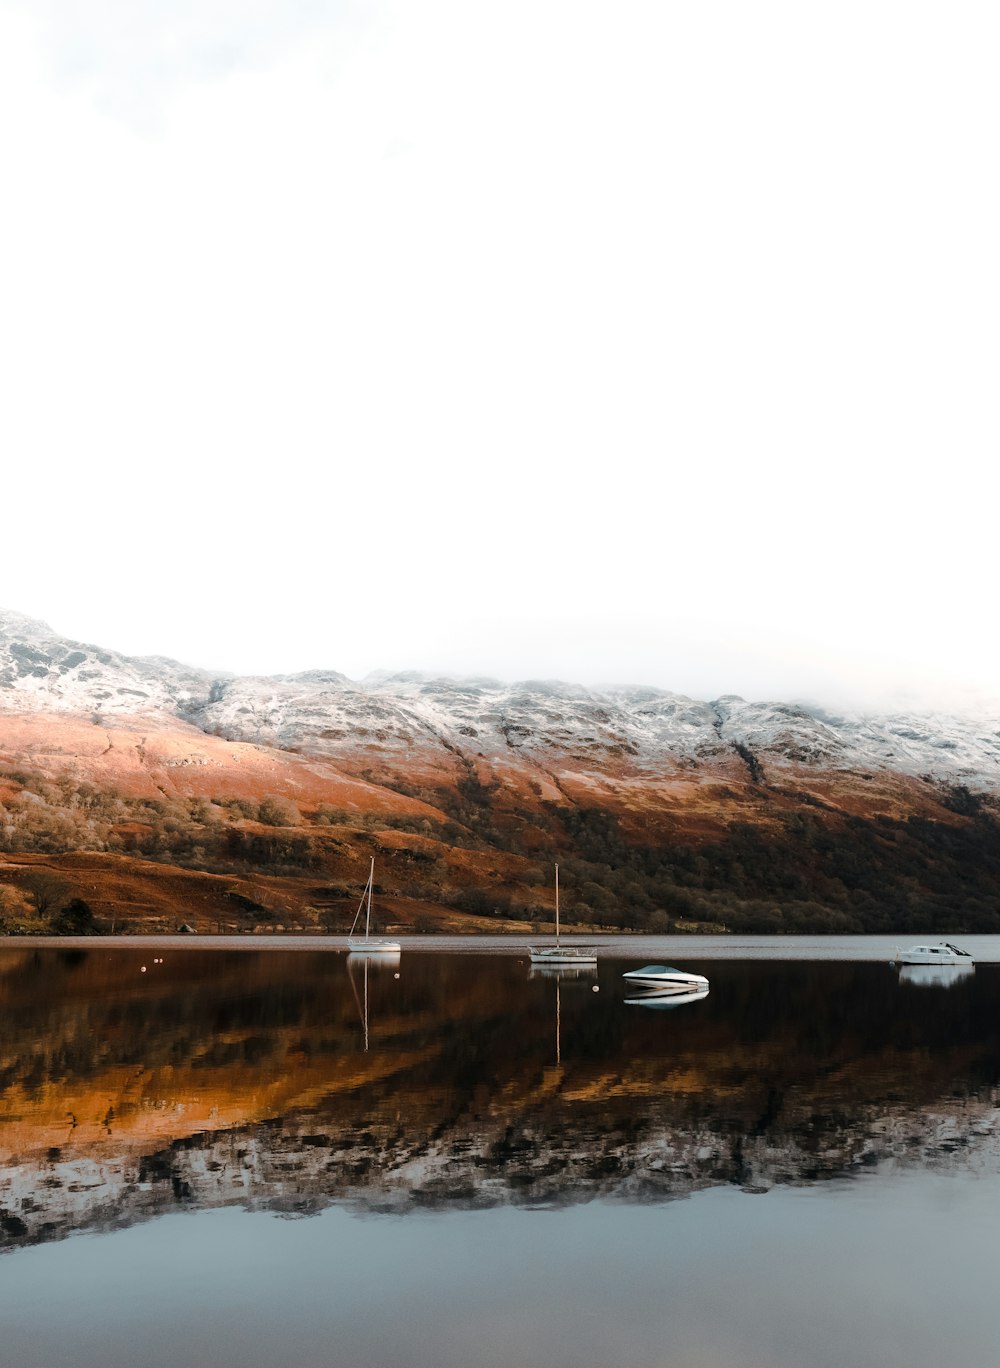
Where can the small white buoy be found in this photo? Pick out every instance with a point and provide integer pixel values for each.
(142, 970)
(395, 976)
(596, 988)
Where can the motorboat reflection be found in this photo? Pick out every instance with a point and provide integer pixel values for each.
(667, 999)
(936, 975)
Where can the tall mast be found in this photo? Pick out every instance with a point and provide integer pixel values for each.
(371, 880)
(557, 905)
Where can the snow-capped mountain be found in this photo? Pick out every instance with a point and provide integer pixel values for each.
(412, 720)
(40, 672)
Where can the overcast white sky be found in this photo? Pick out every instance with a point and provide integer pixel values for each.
(647, 342)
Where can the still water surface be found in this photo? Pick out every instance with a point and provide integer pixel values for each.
(240, 1158)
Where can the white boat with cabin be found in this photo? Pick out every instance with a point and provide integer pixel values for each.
(943, 953)
(369, 944)
(559, 955)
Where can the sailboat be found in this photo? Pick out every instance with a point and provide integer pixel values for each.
(559, 953)
(369, 944)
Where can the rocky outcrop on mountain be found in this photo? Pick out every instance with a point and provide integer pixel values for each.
(40, 671)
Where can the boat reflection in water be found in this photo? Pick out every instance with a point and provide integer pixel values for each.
(665, 999)
(935, 975)
(363, 961)
(564, 973)
(378, 959)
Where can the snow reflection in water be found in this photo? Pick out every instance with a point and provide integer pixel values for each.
(546, 1126)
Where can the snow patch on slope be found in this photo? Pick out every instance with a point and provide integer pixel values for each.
(627, 730)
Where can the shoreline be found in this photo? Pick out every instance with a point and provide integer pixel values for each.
(985, 949)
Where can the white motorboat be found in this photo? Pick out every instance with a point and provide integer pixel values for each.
(369, 944)
(660, 999)
(943, 953)
(665, 978)
(560, 955)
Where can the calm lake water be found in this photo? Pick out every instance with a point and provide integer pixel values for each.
(243, 1157)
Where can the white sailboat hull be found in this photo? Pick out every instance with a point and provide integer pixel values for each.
(373, 946)
(559, 955)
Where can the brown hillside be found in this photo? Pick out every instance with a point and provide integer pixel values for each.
(150, 758)
(155, 823)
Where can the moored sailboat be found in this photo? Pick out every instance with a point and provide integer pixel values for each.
(560, 954)
(369, 944)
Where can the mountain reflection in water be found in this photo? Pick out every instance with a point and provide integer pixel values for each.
(133, 1088)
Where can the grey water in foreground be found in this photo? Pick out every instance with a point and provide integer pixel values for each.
(243, 1156)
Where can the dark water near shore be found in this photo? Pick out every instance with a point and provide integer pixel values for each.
(240, 1157)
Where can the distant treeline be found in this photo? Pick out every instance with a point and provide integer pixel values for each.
(812, 875)
(807, 871)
